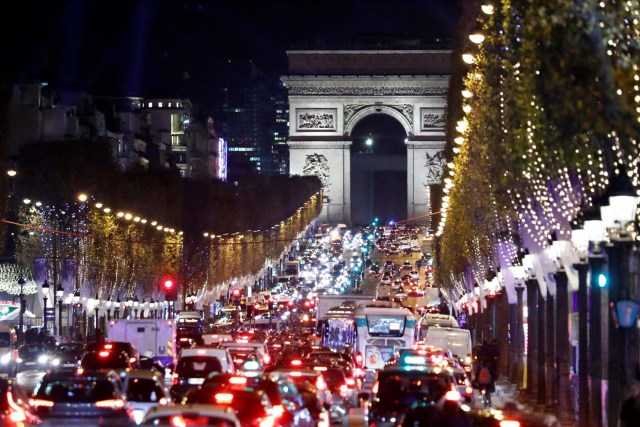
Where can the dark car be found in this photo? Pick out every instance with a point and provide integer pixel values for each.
(288, 408)
(252, 407)
(67, 356)
(33, 357)
(117, 346)
(14, 405)
(104, 361)
(396, 389)
(81, 399)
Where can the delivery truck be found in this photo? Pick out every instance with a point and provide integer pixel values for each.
(157, 336)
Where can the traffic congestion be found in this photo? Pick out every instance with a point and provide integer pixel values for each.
(353, 333)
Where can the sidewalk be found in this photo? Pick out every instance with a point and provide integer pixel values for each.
(508, 394)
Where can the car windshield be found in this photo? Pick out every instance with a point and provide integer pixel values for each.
(334, 377)
(188, 419)
(197, 366)
(143, 390)
(70, 348)
(401, 389)
(31, 351)
(104, 360)
(77, 390)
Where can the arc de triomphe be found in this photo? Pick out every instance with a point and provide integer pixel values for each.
(330, 91)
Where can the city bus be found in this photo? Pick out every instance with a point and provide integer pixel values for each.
(337, 327)
(381, 330)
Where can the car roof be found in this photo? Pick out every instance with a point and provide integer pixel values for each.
(201, 409)
(140, 373)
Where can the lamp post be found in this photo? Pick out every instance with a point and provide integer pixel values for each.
(59, 295)
(45, 293)
(622, 210)
(21, 282)
(76, 323)
(136, 304)
(580, 240)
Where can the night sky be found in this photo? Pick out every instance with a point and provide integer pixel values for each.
(182, 48)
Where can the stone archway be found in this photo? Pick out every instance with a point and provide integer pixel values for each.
(326, 101)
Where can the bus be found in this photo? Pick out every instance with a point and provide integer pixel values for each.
(337, 327)
(381, 330)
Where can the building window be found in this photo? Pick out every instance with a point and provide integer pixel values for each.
(170, 105)
(160, 104)
(177, 139)
(151, 105)
(177, 124)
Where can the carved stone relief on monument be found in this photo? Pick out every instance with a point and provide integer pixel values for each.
(432, 118)
(318, 165)
(316, 119)
(350, 110)
(435, 167)
(367, 91)
(406, 110)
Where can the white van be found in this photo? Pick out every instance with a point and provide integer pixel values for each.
(222, 354)
(8, 352)
(455, 340)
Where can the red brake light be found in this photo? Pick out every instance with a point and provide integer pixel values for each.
(320, 368)
(111, 403)
(509, 423)
(237, 380)
(266, 359)
(223, 398)
(108, 346)
(351, 382)
(177, 421)
(103, 354)
(40, 402)
(296, 362)
(374, 388)
(132, 360)
(343, 390)
(452, 395)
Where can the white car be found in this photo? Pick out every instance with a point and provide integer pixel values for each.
(145, 390)
(185, 414)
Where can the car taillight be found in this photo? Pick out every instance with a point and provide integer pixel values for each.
(266, 359)
(343, 390)
(132, 360)
(374, 388)
(324, 420)
(163, 401)
(174, 379)
(110, 403)
(38, 403)
(509, 423)
(468, 390)
(237, 380)
(17, 415)
(277, 411)
(320, 385)
(351, 382)
(267, 422)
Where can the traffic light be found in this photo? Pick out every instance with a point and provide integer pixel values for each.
(602, 280)
(236, 296)
(170, 288)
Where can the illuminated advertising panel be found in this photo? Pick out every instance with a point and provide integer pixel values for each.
(222, 159)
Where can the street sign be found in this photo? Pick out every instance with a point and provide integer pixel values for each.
(50, 314)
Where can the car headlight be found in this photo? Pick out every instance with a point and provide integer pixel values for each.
(42, 359)
(55, 362)
(19, 360)
(5, 358)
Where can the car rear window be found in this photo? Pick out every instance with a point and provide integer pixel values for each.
(93, 361)
(198, 366)
(77, 390)
(143, 390)
(405, 388)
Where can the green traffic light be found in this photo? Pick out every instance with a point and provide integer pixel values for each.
(602, 280)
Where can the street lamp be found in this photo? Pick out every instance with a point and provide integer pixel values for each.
(136, 303)
(45, 293)
(59, 295)
(21, 282)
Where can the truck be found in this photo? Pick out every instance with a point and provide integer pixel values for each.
(157, 336)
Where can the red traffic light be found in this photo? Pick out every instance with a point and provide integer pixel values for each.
(167, 284)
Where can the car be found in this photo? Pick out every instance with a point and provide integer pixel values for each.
(414, 275)
(145, 390)
(194, 367)
(185, 415)
(288, 408)
(105, 361)
(67, 356)
(341, 395)
(252, 407)
(88, 400)
(397, 388)
(14, 405)
(117, 346)
(301, 376)
(32, 363)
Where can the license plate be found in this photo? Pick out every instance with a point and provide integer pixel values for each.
(195, 381)
(30, 363)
